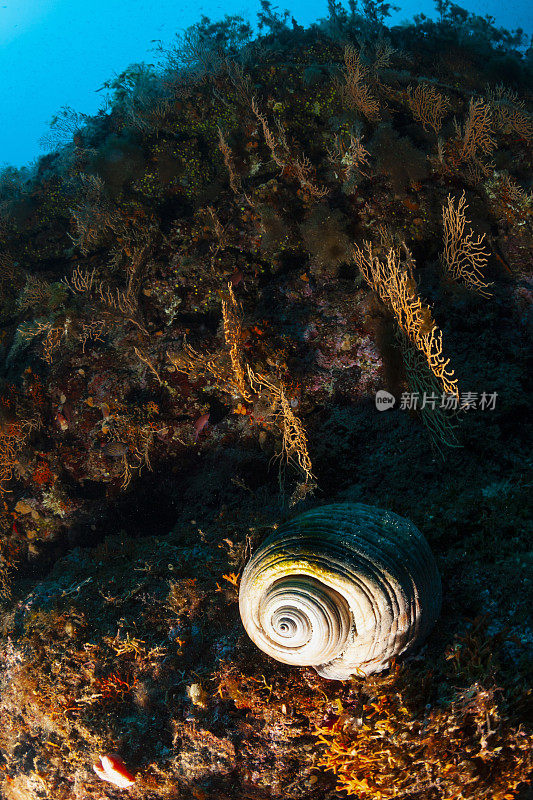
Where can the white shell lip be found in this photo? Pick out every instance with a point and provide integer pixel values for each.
(344, 588)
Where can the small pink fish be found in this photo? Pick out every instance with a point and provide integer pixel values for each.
(201, 423)
(61, 421)
(236, 277)
(113, 770)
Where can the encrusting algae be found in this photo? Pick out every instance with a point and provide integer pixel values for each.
(206, 290)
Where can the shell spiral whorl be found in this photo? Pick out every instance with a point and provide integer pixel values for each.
(301, 615)
(343, 588)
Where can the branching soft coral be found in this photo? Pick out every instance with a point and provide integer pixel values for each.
(397, 289)
(464, 257)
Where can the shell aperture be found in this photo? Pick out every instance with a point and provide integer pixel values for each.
(343, 588)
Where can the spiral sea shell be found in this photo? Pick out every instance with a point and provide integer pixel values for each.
(343, 588)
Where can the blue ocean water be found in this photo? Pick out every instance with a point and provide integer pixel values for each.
(56, 53)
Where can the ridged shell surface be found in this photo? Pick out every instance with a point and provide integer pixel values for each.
(343, 588)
